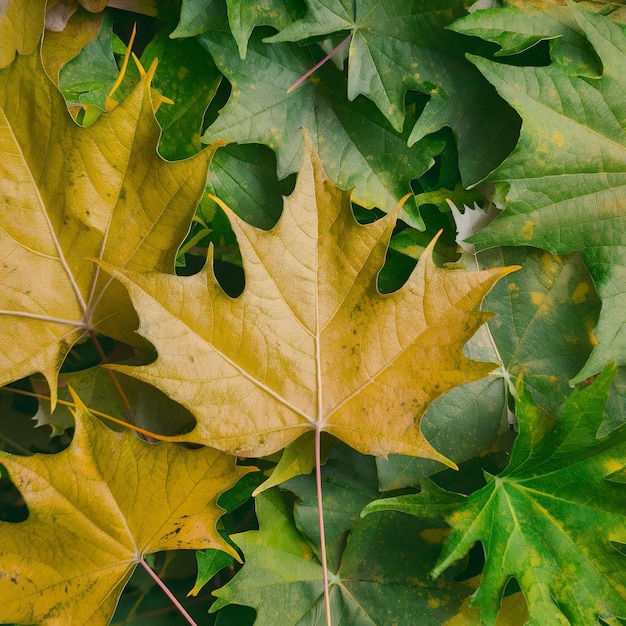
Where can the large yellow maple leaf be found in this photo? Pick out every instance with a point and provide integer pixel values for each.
(311, 343)
(68, 194)
(95, 511)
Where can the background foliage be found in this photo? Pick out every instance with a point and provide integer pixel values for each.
(504, 123)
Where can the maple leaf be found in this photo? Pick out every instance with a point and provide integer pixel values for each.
(180, 64)
(244, 16)
(21, 26)
(461, 424)
(375, 581)
(357, 145)
(398, 46)
(517, 28)
(553, 519)
(95, 511)
(543, 329)
(567, 175)
(196, 17)
(67, 194)
(310, 343)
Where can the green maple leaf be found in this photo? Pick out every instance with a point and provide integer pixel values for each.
(543, 329)
(517, 28)
(358, 147)
(89, 77)
(180, 62)
(567, 175)
(244, 16)
(378, 580)
(398, 46)
(554, 519)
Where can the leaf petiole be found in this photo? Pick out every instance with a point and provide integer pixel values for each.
(320, 514)
(318, 65)
(106, 416)
(168, 593)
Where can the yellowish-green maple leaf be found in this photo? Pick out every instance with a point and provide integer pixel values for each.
(95, 511)
(311, 343)
(69, 194)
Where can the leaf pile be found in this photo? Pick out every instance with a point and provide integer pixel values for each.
(310, 275)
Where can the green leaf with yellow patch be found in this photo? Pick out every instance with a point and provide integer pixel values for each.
(544, 327)
(554, 519)
(567, 175)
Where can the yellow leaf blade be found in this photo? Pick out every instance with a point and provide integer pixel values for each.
(69, 194)
(311, 343)
(21, 26)
(95, 510)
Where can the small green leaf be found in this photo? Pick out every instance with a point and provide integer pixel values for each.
(210, 562)
(181, 64)
(89, 77)
(243, 16)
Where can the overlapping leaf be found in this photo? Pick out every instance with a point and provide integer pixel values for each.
(67, 194)
(95, 511)
(358, 147)
(401, 45)
(567, 176)
(553, 520)
(377, 582)
(21, 26)
(546, 313)
(519, 27)
(181, 63)
(311, 343)
(461, 424)
(244, 16)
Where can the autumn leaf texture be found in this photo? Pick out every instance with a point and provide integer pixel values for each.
(312, 312)
(70, 195)
(311, 343)
(95, 511)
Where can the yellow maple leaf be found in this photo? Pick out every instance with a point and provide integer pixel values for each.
(68, 194)
(21, 26)
(311, 343)
(95, 511)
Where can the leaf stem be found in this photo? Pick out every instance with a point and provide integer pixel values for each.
(105, 360)
(168, 593)
(105, 416)
(320, 513)
(318, 65)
